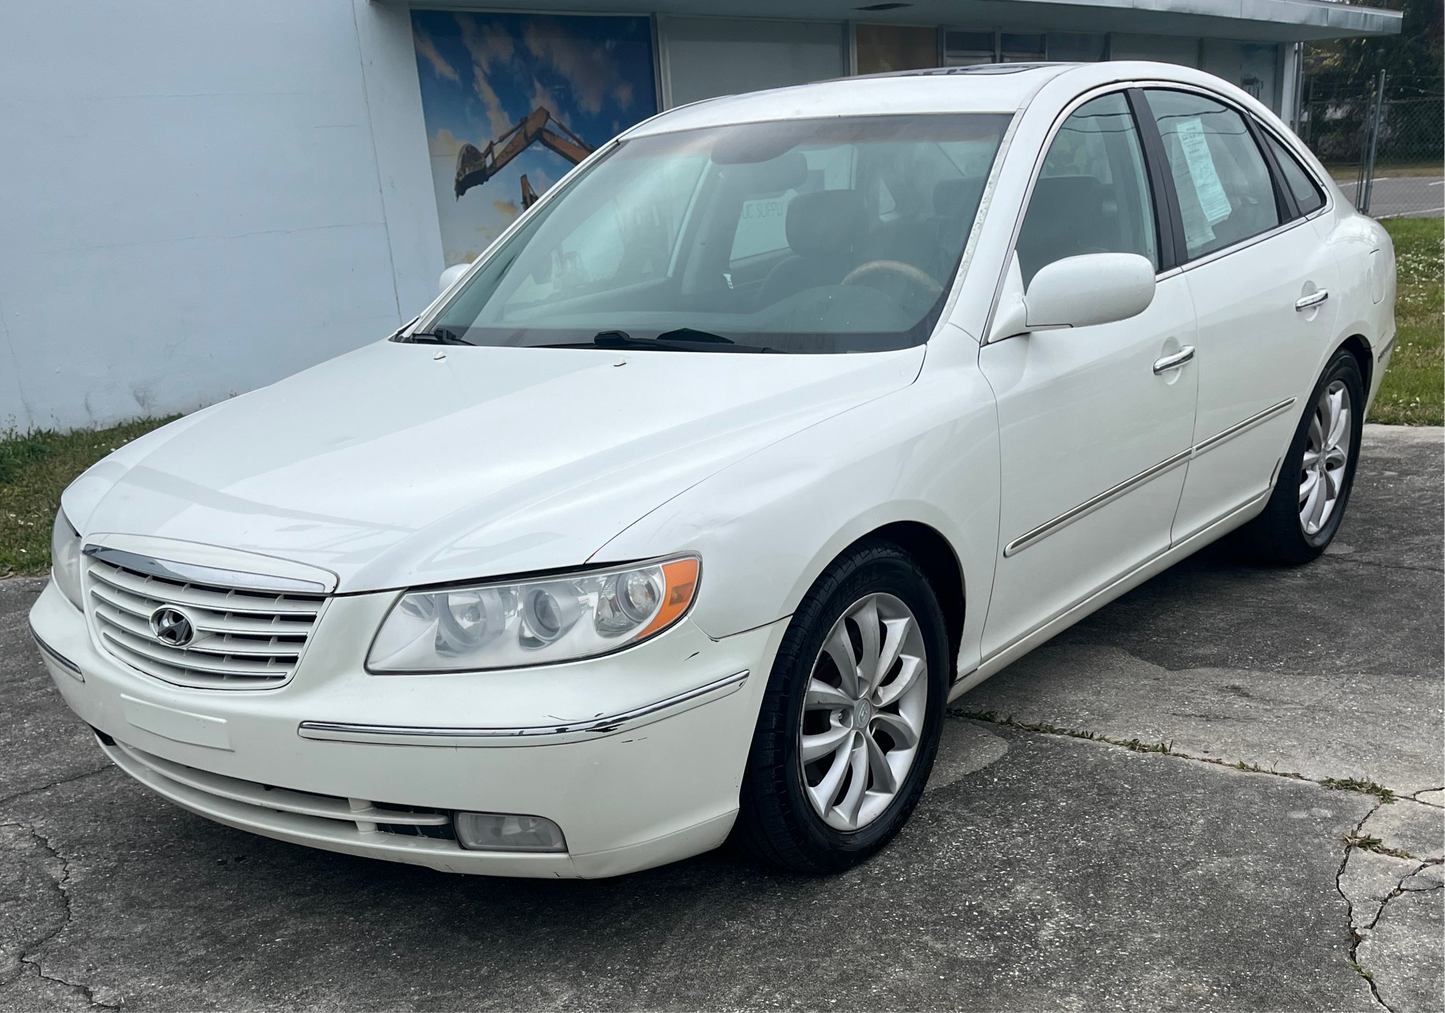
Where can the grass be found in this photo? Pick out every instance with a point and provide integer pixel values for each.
(34, 468)
(1413, 391)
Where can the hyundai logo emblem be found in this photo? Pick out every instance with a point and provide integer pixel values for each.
(172, 627)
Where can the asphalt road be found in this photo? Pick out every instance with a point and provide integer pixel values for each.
(1043, 870)
(1403, 196)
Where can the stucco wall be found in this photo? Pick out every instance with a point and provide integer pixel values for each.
(200, 198)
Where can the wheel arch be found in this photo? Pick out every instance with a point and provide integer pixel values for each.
(939, 562)
(1357, 346)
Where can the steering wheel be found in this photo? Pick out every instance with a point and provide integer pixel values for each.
(877, 270)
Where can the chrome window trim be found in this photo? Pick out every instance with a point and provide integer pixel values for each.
(1063, 520)
(194, 573)
(337, 731)
(1243, 244)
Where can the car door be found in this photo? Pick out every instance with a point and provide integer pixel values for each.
(1092, 438)
(1260, 279)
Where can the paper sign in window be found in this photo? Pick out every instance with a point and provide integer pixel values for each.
(1212, 199)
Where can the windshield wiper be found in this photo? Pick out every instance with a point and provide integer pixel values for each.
(689, 334)
(680, 340)
(440, 336)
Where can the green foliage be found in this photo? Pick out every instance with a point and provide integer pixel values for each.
(34, 469)
(1411, 60)
(1363, 787)
(1413, 390)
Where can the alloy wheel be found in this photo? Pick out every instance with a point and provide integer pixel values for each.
(863, 712)
(1322, 469)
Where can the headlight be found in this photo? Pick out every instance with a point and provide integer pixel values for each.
(65, 558)
(535, 622)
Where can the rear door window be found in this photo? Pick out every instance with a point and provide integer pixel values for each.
(1225, 191)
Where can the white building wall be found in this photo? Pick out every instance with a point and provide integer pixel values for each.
(197, 199)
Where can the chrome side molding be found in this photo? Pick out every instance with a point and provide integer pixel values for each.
(336, 731)
(1087, 507)
(194, 573)
(1068, 517)
(1241, 427)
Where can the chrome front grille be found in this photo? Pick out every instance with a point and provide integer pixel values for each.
(243, 639)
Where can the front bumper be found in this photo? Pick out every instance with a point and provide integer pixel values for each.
(324, 759)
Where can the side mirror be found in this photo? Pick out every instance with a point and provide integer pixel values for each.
(451, 274)
(1095, 288)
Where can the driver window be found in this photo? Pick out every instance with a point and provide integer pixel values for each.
(1092, 195)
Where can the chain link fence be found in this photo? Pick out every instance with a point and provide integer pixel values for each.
(1384, 144)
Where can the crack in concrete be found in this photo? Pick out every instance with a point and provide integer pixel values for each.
(1353, 841)
(54, 784)
(28, 955)
(1355, 937)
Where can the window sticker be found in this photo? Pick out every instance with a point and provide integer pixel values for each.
(1197, 233)
(1212, 199)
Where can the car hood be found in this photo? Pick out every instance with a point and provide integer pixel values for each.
(402, 464)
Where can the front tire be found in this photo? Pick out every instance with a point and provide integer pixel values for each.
(851, 718)
(1318, 472)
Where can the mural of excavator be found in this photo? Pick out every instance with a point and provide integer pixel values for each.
(476, 166)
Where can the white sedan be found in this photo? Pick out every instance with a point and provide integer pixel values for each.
(682, 513)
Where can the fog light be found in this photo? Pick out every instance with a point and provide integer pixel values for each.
(500, 832)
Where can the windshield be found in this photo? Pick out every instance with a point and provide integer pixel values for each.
(837, 235)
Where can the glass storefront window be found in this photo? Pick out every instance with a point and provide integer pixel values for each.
(884, 48)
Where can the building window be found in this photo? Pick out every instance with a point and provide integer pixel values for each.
(1016, 48)
(884, 48)
(965, 49)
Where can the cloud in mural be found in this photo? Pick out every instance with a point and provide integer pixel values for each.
(442, 144)
(487, 42)
(590, 69)
(427, 50)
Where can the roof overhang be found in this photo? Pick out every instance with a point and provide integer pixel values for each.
(1246, 20)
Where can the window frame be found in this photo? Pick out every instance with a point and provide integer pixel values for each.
(1284, 200)
(1164, 227)
(1265, 131)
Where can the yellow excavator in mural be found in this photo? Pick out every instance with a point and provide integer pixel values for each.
(476, 166)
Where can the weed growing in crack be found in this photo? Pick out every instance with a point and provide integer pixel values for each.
(1362, 971)
(1365, 843)
(1364, 787)
(1255, 768)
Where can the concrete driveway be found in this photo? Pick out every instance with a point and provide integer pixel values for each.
(1087, 841)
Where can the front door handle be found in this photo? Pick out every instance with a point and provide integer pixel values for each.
(1174, 361)
(1313, 299)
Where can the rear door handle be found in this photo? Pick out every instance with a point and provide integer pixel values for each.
(1174, 361)
(1313, 299)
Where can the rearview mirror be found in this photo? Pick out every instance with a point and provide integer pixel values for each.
(451, 274)
(1095, 288)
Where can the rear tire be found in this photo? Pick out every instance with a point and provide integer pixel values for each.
(842, 750)
(1318, 472)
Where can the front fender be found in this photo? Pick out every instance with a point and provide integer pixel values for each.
(768, 525)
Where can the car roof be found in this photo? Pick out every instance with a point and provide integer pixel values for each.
(987, 88)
